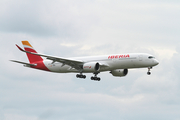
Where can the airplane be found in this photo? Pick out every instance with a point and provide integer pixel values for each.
(116, 64)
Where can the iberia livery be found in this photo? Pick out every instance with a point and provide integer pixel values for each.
(117, 64)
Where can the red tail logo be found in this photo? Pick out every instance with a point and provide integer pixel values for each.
(32, 58)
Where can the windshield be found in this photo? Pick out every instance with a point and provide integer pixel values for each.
(150, 57)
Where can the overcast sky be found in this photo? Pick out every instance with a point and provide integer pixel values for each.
(69, 28)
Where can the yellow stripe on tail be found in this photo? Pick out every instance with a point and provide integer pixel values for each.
(26, 43)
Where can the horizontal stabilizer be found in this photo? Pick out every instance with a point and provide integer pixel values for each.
(27, 64)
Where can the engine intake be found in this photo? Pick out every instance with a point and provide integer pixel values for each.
(119, 72)
(91, 67)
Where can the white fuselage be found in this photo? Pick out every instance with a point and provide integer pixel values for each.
(116, 61)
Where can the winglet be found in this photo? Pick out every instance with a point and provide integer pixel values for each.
(20, 48)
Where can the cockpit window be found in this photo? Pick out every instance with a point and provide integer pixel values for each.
(150, 57)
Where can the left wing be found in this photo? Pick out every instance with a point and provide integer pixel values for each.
(77, 64)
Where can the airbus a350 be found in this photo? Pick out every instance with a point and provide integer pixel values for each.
(116, 64)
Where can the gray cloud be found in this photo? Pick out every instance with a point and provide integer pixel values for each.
(80, 28)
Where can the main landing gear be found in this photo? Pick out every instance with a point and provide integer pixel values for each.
(92, 78)
(80, 76)
(149, 68)
(95, 77)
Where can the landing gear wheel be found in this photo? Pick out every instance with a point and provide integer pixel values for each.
(149, 68)
(84, 76)
(95, 78)
(81, 76)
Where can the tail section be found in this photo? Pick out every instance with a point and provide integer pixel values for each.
(32, 58)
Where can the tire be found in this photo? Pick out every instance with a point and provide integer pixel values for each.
(77, 75)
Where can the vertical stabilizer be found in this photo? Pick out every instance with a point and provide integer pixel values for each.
(32, 58)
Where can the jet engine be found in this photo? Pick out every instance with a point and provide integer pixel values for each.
(119, 72)
(91, 67)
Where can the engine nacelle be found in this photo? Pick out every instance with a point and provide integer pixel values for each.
(91, 67)
(119, 72)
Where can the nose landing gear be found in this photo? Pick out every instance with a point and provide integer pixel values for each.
(149, 68)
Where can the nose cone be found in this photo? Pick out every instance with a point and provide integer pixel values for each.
(156, 62)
